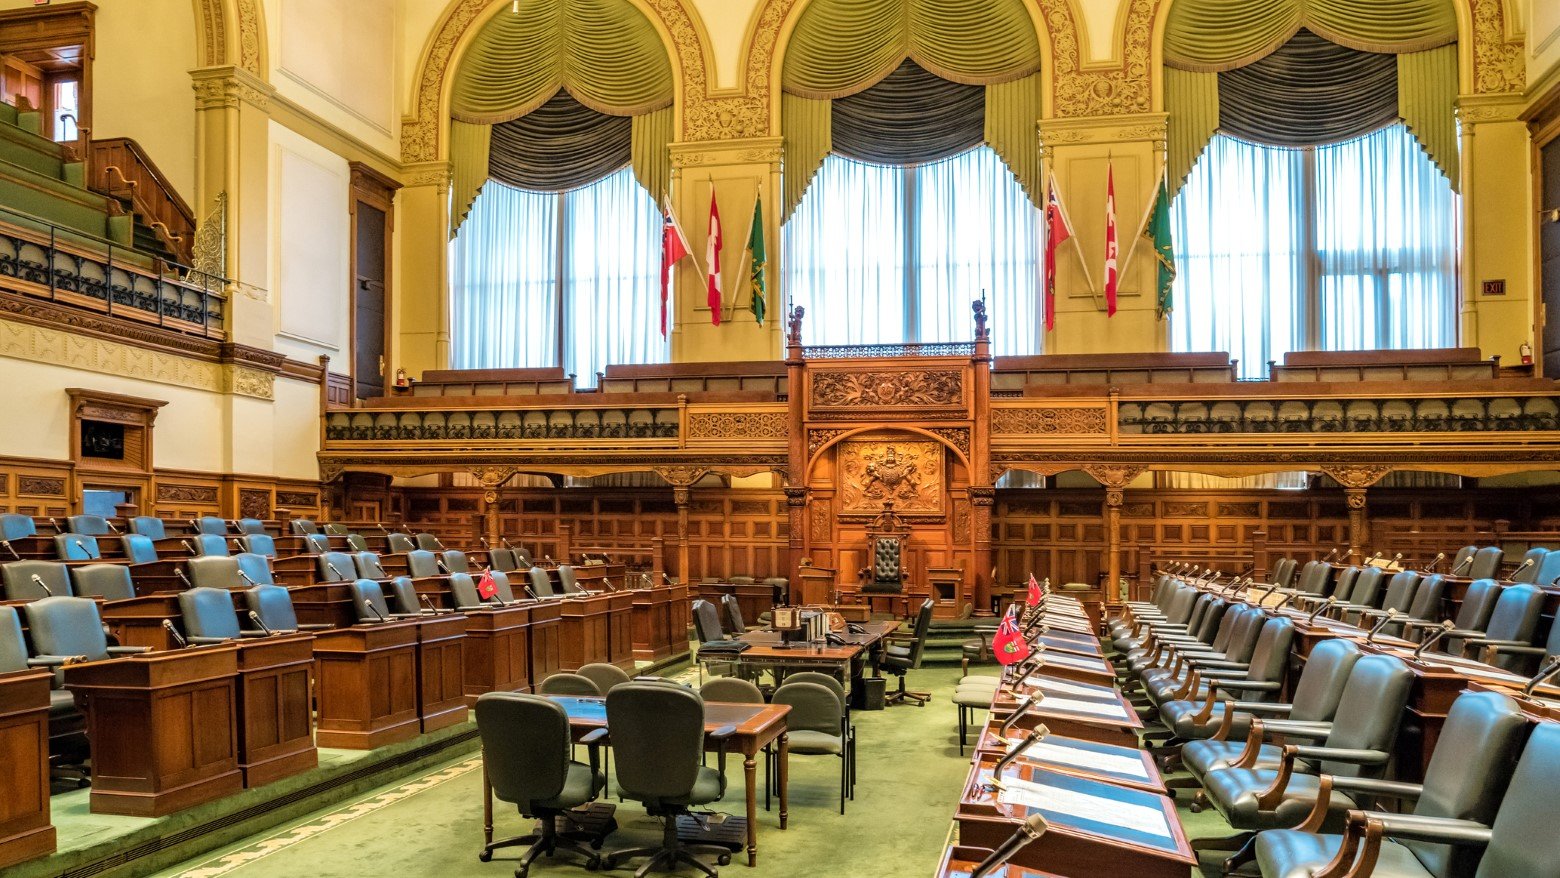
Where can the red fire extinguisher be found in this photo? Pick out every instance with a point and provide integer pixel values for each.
(1527, 354)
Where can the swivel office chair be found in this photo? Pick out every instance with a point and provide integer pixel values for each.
(1399, 597)
(368, 601)
(110, 582)
(149, 527)
(400, 543)
(568, 580)
(76, 547)
(304, 526)
(1548, 570)
(210, 525)
(1472, 616)
(429, 542)
(456, 561)
(67, 738)
(259, 544)
(52, 580)
(65, 627)
(1527, 569)
(138, 549)
(252, 527)
(606, 677)
(1474, 760)
(15, 526)
(91, 525)
(211, 545)
(421, 564)
(706, 622)
(273, 604)
(1486, 563)
(526, 747)
(902, 656)
(658, 736)
(335, 567)
(1512, 623)
(315, 544)
(335, 529)
(402, 595)
(209, 617)
(1283, 572)
(575, 685)
(254, 569)
(523, 557)
(357, 543)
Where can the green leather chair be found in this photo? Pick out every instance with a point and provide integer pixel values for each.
(31, 580)
(570, 684)
(111, 582)
(606, 677)
(901, 656)
(817, 726)
(658, 743)
(526, 755)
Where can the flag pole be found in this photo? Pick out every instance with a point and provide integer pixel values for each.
(676, 224)
(747, 255)
(1083, 263)
(1142, 226)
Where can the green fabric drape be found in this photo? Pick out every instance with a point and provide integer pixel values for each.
(1192, 101)
(1214, 35)
(1427, 99)
(842, 47)
(809, 138)
(607, 55)
(469, 147)
(1012, 129)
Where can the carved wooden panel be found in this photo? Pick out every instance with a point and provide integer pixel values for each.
(887, 389)
(908, 473)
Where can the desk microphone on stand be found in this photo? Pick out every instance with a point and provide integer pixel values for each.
(995, 782)
(1027, 832)
(173, 632)
(38, 581)
(1379, 626)
(255, 618)
(1445, 629)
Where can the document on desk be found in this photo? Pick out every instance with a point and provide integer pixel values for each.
(1109, 709)
(1052, 686)
(1043, 752)
(1068, 660)
(1075, 803)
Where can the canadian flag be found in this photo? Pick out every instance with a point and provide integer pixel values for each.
(1110, 241)
(712, 257)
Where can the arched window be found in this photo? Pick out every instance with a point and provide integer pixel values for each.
(911, 175)
(562, 110)
(1318, 151)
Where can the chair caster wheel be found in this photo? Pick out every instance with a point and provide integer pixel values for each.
(485, 857)
(1195, 808)
(723, 860)
(593, 864)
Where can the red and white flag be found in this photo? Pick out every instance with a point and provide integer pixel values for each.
(1009, 643)
(486, 587)
(1035, 595)
(1110, 241)
(674, 248)
(712, 257)
(1058, 230)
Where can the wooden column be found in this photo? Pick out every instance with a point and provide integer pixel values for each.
(682, 479)
(492, 478)
(1115, 478)
(1259, 556)
(1355, 479)
(796, 506)
(981, 502)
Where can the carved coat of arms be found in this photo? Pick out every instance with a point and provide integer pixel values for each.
(905, 473)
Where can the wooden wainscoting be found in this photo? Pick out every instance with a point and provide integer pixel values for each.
(37, 487)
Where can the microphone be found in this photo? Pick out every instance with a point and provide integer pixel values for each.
(57, 528)
(375, 610)
(1551, 668)
(194, 525)
(1019, 711)
(485, 543)
(547, 558)
(336, 571)
(996, 773)
(438, 542)
(1270, 589)
(646, 580)
(1439, 557)
(1331, 599)
(1396, 560)
(1026, 832)
(111, 526)
(531, 593)
(1329, 556)
(443, 568)
(8, 548)
(1385, 621)
(505, 541)
(245, 577)
(188, 547)
(255, 618)
(38, 581)
(1466, 562)
(182, 578)
(381, 526)
(83, 547)
(1525, 565)
(174, 633)
(1372, 559)
(428, 602)
(1445, 629)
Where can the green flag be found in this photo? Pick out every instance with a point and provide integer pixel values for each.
(759, 262)
(1158, 234)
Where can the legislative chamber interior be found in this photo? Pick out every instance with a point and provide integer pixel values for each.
(966, 438)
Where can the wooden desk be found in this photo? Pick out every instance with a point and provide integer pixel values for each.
(324, 603)
(25, 830)
(138, 621)
(846, 660)
(753, 598)
(757, 725)
(498, 651)
(163, 729)
(1106, 722)
(620, 630)
(366, 688)
(546, 631)
(1088, 825)
(275, 711)
(659, 631)
(583, 636)
(441, 670)
(1065, 665)
(1122, 766)
(960, 861)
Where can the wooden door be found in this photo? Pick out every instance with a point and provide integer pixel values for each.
(373, 200)
(1549, 257)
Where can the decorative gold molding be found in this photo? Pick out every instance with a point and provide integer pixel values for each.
(1499, 63)
(228, 87)
(58, 347)
(249, 381)
(1089, 90)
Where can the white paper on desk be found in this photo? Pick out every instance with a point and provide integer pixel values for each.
(1073, 705)
(1480, 669)
(1056, 754)
(1050, 685)
(1068, 660)
(1111, 812)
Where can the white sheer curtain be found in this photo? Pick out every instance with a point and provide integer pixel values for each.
(527, 263)
(1343, 247)
(962, 225)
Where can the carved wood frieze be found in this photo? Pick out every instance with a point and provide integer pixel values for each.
(958, 437)
(186, 494)
(908, 474)
(1048, 421)
(254, 503)
(896, 389)
(738, 425)
(297, 498)
(816, 439)
(40, 486)
(1357, 476)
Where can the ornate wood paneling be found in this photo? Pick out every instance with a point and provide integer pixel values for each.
(53, 488)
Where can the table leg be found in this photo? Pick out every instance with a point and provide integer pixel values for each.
(750, 770)
(785, 775)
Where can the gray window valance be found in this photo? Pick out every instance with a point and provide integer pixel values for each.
(909, 117)
(560, 145)
(1309, 92)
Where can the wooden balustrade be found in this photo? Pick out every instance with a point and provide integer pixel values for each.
(121, 168)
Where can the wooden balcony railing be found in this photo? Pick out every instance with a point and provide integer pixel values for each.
(120, 168)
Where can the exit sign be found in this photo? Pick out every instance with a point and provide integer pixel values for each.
(1495, 288)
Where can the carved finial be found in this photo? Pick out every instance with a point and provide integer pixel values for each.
(796, 324)
(979, 307)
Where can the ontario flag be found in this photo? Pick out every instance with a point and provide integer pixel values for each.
(1035, 595)
(1009, 643)
(674, 249)
(1057, 230)
(715, 242)
(1111, 247)
(486, 586)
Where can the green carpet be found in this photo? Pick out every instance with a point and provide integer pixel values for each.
(910, 774)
